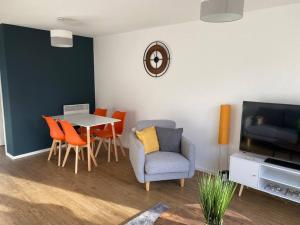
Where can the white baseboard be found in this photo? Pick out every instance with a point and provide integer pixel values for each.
(27, 154)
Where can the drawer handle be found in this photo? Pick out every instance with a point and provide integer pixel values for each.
(253, 175)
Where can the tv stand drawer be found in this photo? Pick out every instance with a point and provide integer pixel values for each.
(244, 172)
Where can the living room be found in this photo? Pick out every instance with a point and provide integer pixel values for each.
(247, 56)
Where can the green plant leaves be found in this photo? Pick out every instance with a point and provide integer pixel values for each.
(214, 197)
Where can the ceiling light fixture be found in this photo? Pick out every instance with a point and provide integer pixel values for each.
(61, 38)
(220, 11)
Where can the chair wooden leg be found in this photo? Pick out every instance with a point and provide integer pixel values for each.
(76, 159)
(147, 185)
(108, 153)
(59, 153)
(55, 147)
(93, 157)
(121, 145)
(105, 145)
(51, 150)
(66, 156)
(116, 151)
(94, 160)
(182, 182)
(82, 154)
(79, 158)
(99, 146)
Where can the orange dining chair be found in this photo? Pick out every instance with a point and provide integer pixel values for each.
(107, 134)
(98, 112)
(74, 141)
(57, 136)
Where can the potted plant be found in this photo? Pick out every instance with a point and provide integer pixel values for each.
(214, 197)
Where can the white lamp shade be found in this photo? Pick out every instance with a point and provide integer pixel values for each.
(220, 11)
(61, 38)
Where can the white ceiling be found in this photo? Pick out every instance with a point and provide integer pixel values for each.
(101, 17)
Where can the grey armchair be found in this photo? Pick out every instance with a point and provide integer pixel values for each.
(159, 165)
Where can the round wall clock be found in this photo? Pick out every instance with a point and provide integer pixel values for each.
(156, 59)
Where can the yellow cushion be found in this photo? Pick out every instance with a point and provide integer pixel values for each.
(149, 139)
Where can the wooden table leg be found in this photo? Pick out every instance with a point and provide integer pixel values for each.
(114, 139)
(89, 149)
(88, 138)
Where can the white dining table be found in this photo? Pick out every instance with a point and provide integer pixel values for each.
(88, 121)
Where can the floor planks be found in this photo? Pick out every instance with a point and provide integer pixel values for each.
(35, 191)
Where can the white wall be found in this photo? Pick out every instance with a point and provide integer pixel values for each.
(257, 58)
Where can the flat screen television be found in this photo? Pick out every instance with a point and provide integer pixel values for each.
(272, 130)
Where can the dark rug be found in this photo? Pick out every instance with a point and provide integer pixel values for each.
(150, 216)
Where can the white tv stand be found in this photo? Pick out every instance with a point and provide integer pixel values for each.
(250, 170)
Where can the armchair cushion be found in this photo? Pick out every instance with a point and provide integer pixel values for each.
(169, 139)
(149, 139)
(165, 162)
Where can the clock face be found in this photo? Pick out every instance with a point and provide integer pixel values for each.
(156, 59)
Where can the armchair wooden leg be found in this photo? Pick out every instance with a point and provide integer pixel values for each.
(181, 182)
(147, 186)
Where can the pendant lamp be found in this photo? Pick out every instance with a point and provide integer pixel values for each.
(220, 11)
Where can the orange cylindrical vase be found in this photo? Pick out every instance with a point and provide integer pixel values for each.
(224, 125)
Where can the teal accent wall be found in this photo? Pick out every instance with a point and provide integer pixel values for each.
(37, 80)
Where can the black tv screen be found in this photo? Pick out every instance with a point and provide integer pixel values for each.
(272, 130)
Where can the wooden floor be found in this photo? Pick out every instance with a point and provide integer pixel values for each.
(34, 191)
